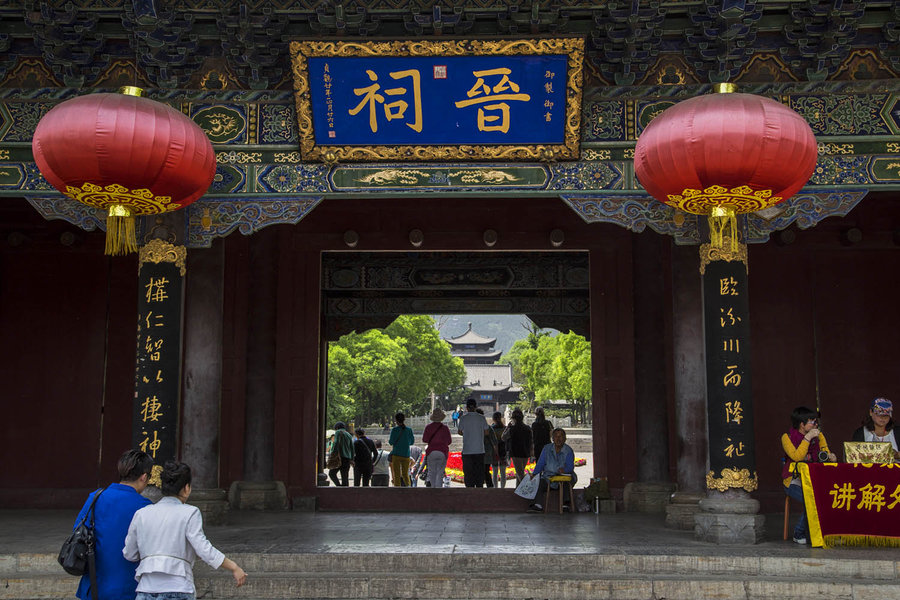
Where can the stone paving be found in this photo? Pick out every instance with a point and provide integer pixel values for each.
(501, 556)
(42, 531)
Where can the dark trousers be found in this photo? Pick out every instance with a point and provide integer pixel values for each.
(344, 470)
(801, 529)
(488, 480)
(362, 474)
(380, 480)
(473, 469)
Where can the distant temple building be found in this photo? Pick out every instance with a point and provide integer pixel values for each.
(491, 384)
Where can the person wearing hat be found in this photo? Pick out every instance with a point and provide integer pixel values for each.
(437, 436)
(472, 427)
(879, 426)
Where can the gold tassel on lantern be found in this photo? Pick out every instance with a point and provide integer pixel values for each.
(120, 232)
(723, 233)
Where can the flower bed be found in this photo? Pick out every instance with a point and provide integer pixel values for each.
(454, 467)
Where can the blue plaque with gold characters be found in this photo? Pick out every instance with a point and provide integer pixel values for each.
(439, 100)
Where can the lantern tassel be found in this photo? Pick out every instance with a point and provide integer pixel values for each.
(723, 230)
(120, 231)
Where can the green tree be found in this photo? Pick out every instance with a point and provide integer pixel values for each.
(364, 374)
(554, 368)
(374, 374)
(431, 367)
(570, 372)
(521, 355)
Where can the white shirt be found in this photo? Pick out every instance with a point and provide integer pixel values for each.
(381, 466)
(167, 537)
(472, 426)
(871, 437)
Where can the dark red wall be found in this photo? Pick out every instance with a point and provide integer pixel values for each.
(817, 307)
(55, 443)
(824, 310)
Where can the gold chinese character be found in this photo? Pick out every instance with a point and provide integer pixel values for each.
(152, 445)
(731, 345)
(156, 320)
(872, 497)
(153, 347)
(896, 496)
(728, 317)
(392, 110)
(548, 87)
(732, 378)
(481, 93)
(548, 116)
(150, 409)
(156, 289)
(731, 450)
(734, 412)
(842, 496)
(728, 286)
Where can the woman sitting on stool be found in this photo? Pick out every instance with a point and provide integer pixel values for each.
(557, 458)
(802, 443)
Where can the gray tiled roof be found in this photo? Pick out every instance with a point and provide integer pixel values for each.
(493, 378)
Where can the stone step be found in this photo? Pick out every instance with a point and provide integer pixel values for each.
(501, 585)
(500, 575)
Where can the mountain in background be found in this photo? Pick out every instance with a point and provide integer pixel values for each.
(506, 328)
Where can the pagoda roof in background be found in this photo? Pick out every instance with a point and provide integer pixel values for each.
(470, 337)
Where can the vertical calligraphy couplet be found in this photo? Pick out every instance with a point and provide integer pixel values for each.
(158, 373)
(726, 311)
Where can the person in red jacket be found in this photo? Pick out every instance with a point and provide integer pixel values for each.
(437, 436)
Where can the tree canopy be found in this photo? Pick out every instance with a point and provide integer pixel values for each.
(553, 368)
(374, 374)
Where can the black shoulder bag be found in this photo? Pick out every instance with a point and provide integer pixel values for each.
(77, 553)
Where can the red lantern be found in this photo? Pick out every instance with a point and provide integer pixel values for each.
(127, 154)
(725, 154)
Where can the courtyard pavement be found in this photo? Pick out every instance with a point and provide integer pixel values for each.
(42, 532)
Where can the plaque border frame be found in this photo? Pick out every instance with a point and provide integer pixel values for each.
(573, 47)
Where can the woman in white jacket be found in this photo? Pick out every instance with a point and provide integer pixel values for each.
(167, 537)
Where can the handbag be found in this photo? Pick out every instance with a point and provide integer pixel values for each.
(333, 462)
(528, 488)
(77, 553)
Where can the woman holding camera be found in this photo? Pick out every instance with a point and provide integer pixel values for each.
(802, 443)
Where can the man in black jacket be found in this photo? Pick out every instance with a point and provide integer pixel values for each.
(364, 455)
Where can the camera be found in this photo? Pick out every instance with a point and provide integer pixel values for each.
(823, 456)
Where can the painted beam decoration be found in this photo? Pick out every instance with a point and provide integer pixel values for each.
(438, 100)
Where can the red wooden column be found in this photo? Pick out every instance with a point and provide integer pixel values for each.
(612, 362)
(297, 385)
